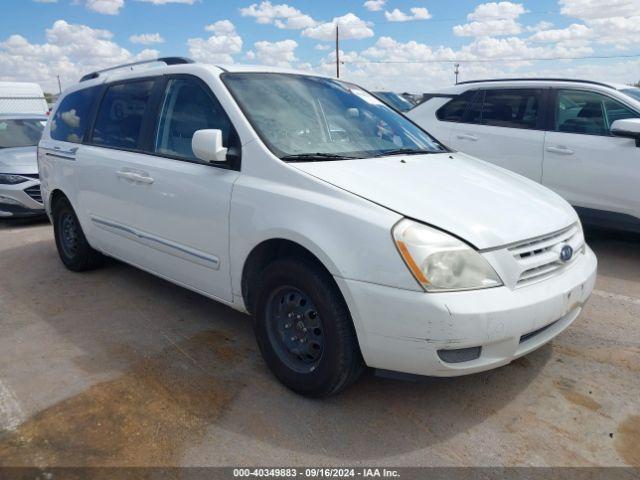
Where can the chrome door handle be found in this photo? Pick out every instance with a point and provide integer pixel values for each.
(467, 136)
(135, 177)
(560, 150)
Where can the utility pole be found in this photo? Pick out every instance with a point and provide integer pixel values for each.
(59, 86)
(456, 70)
(337, 51)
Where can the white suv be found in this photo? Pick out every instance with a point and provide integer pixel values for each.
(351, 235)
(578, 138)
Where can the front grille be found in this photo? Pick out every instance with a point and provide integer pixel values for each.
(539, 258)
(34, 192)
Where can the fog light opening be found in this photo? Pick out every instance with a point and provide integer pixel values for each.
(460, 355)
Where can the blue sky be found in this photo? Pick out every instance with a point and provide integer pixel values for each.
(41, 39)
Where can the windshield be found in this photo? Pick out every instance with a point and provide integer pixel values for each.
(632, 92)
(304, 118)
(20, 132)
(396, 101)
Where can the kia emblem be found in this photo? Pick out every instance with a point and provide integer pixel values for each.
(566, 253)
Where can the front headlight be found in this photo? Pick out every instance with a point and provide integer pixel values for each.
(9, 179)
(441, 262)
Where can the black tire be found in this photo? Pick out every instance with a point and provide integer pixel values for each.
(73, 248)
(340, 362)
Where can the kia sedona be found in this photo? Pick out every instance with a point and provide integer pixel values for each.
(353, 237)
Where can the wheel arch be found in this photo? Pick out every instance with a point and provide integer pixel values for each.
(266, 252)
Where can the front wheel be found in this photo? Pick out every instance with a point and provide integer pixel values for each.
(304, 329)
(73, 248)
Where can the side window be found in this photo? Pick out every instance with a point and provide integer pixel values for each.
(588, 113)
(474, 112)
(186, 108)
(512, 108)
(453, 111)
(617, 111)
(70, 121)
(121, 113)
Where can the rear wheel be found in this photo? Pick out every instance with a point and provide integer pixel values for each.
(304, 329)
(73, 248)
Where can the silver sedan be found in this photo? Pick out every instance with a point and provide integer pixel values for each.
(19, 180)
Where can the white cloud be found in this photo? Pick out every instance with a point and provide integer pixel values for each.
(281, 54)
(571, 33)
(496, 19)
(351, 27)
(488, 27)
(221, 27)
(282, 16)
(69, 51)
(540, 26)
(593, 9)
(497, 11)
(146, 38)
(617, 23)
(417, 13)
(374, 5)
(322, 47)
(618, 31)
(220, 47)
(105, 7)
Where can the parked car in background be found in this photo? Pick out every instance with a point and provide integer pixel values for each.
(19, 180)
(395, 100)
(22, 98)
(414, 98)
(352, 235)
(630, 90)
(579, 138)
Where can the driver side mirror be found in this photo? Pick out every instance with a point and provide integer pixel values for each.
(207, 146)
(628, 128)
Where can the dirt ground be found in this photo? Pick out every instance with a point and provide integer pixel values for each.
(117, 367)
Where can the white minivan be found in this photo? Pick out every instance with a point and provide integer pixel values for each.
(353, 237)
(577, 137)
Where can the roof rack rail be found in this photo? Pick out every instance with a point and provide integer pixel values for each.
(166, 60)
(571, 80)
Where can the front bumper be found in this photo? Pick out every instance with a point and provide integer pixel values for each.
(21, 200)
(403, 331)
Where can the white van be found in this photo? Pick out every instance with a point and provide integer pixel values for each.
(22, 98)
(351, 235)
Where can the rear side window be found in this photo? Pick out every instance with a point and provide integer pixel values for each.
(121, 113)
(70, 121)
(512, 108)
(454, 110)
(188, 107)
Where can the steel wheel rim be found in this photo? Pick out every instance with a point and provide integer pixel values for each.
(295, 329)
(69, 234)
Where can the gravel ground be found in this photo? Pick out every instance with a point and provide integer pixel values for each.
(117, 367)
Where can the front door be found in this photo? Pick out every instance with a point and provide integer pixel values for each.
(183, 211)
(584, 163)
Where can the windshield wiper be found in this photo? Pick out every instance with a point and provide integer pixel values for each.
(315, 157)
(405, 151)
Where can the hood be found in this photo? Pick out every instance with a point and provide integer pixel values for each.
(479, 202)
(20, 160)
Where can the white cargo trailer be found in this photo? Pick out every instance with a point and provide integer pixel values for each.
(22, 98)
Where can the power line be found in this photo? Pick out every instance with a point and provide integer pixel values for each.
(458, 19)
(492, 60)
